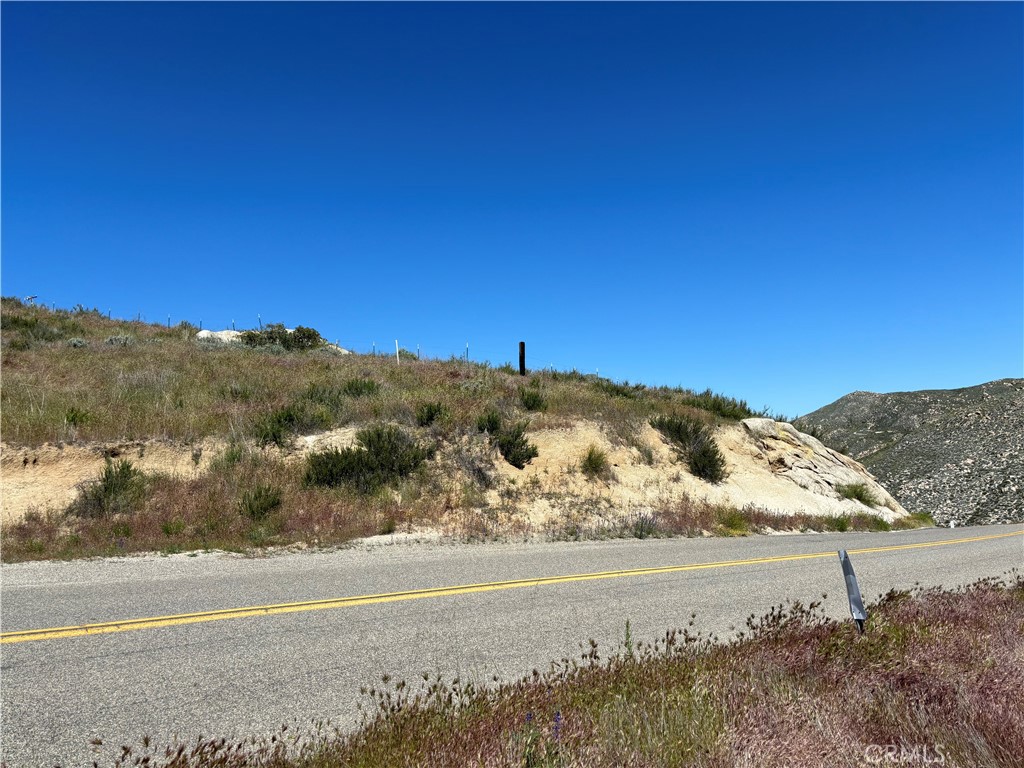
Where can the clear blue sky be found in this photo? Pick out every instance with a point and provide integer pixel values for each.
(783, 202)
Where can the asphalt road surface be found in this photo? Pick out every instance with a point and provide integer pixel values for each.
(244, 672)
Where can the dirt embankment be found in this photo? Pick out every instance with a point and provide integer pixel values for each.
(49, 476)
(769, 464)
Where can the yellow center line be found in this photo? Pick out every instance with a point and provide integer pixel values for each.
(153, 622)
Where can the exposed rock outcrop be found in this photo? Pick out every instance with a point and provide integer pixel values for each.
(806, 461)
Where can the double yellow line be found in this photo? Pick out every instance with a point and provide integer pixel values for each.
(128, 625)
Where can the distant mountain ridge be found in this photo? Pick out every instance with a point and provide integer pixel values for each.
(957, 454)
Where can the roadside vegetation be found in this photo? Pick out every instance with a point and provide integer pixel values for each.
(76, 375)
(934, 679)
(859, 492)
(429, 435)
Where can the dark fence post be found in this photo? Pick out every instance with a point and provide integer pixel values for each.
(522, 358)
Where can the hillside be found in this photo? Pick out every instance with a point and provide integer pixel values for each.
(956, 454)
(123, 436)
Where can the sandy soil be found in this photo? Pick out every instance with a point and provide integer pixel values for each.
(769, 465)
(776, 473)
(48, 476)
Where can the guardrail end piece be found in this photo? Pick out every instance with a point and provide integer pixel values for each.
(857, 610)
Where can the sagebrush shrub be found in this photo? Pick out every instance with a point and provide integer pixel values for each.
(532, 399)
(259, 501)
(75, 417)
(643, 525)
(327, 394)
(383, 455)
(726, 407)
(693, 440)
(360, 387)
(489, 422)
(120, 489)
(301, 339)
(858, 492)
(278, 427)
(683, 431)
(428, 413)
(513, 445)
(706, 461)
(618, 390)
(594, 463)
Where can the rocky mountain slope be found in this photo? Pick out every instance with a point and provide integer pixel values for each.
(956, 454)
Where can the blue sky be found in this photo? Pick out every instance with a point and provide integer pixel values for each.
(783, 202)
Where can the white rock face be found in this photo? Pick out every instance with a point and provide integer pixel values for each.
(225, 337)
(810, 464)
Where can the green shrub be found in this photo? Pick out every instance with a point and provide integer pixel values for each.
(863, 521)
(706, 461)
(683, 431)
(733, 520)
(594, 463)
(303, 338)
(489, 422)
(643, 525)
(120, 489)
(77, 343)
(280, 426)
(858, 492)
(692, 439)
(383, 455)
(75, 417)
(229, 457)
(259, 501)
(120, 341)
(174, 527)
(360, 387)
(428, 413)
(726, 407)
(275, 334)
(617, 390)
(327, 394)
(513, 445)
(918, 520)
(532, 399)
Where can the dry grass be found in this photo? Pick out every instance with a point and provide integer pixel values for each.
(162, 383)
(209, 512)
(685, 516)
(936, 676)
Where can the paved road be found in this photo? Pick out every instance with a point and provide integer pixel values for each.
(248, 675)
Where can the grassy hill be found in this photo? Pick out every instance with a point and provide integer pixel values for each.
(285, 440)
